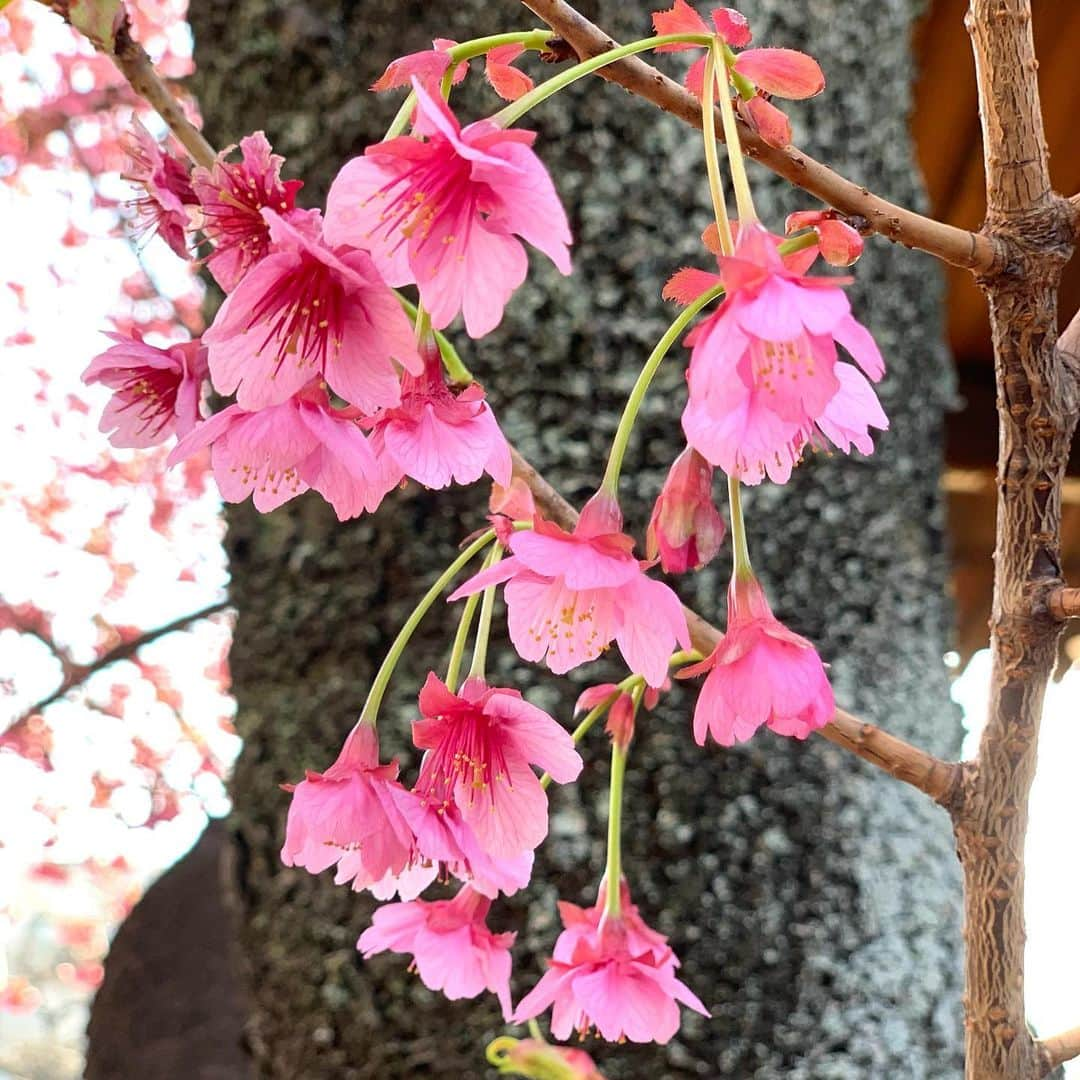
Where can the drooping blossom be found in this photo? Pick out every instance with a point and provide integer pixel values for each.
(542, 1060)
(428, 66)
(446, 845)
(759, 674)
(156, 392)
(509, 503)
(437, 436)
(785, 73)
(568, 595)
(445, 213)
(838, 243)
(279, 452)
(308, 310)
(764, 367)
(685, 528)
(482, 743)
(167, 191)
(349, 810)
(614, 974)
(232, 195)
(450, 943)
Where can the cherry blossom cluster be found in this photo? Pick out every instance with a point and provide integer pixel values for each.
(345, 385)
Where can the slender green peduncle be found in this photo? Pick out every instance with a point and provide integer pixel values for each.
(712, 159)
(483, 629)
(370, 711)
(613, 871)
(610, 482)
(744, 200)
(457, 651)
(455, 367)
(517, 109)
(739, 550)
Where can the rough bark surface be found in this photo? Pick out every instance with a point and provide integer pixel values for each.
(814, 903)
(1037, 413)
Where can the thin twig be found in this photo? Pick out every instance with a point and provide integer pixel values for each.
(972, 251)
(77, 675)
(1058, 1049)
(936, 778)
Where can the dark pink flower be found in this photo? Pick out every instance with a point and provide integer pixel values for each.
(568, 595)
(278, 453)
(447, 845)
(760, 674)
(764, 366)
(450, 943)
(444, 213)
(437, 436)
(614, 974)
(428, 66)
(350, 808)
(232, 196)
(838, 242)
(506, 80)
(304, 311)
(167, 191)
(685, 529)
(156, 392)
(482, 744)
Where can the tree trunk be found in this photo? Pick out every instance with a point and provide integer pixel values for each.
(814, 903)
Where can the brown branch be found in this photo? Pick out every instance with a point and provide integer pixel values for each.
(76, 675)
(973, 251)
(1058, 1049)
(1064, 603)
(938, 779)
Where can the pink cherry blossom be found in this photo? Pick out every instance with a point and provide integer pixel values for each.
(428, 66)
(447, 845)
(232, 196)
(451, 945)
(278, 453)
(507, 81)
(167, 192)
(760, 673)
(308, 310)
(838, 242)
(349, 809)
(156, 392)
(482, 744)
(568, 595)
(437, 436)
(614, 974)
(444, 213)
(764, 365)
(685, 529)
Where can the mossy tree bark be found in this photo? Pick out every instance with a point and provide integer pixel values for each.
(814, 902)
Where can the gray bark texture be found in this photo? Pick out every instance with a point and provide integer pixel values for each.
(814, 902)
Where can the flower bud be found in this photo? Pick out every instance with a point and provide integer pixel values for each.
(685, 529)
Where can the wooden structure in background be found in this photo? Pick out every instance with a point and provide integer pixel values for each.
(946, 127)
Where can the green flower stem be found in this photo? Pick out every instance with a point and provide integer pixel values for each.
(637, 395)
(483, 629)
(531, 39)
(712, 160)
(457, 651)
(382, 678)
(739, 550)
(742, 84)
(744, 200)
(613, 870)
(517, 109)
(456, 370)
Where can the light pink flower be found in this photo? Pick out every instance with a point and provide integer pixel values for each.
(307, 310)
(616, 975)
(760, 673)
(685, 529)
(157, 392)
(436, 436)
(428, 65)
(279, 452)
(763, 369)
(447, 845)
(569, 594)
(482, 744)
(350, 808)
(167, 192)
(232, 196)
(444, 213)
(451, 945)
